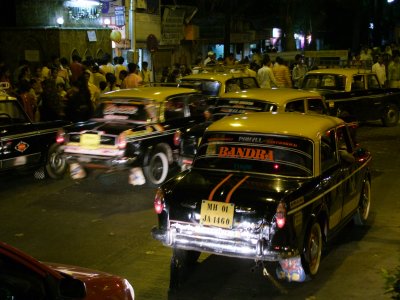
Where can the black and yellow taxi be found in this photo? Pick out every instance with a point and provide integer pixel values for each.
(135, 130)
(270, 187)
(253, 100)
(26, 145)
(217, 80)
(355, 93)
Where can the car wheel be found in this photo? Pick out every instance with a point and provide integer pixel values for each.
(312, 250)
(56, 165)
(391, 117)
(361, 216)
(182, 262)
(157, 169)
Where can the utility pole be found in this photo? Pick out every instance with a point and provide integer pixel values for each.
(132, 32)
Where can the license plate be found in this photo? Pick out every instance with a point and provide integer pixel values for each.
(90, 141)
(218, 214)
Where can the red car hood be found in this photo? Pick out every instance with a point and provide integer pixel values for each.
(99, 285)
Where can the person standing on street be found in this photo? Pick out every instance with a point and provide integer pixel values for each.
(394, 72)
(380, 70)
(282, 74)
(298, 72)
(145, 73)
(133, 80)
(265, 76)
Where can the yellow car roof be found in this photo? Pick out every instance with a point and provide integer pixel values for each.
(279, 96)
(293, 124)
(222, 77)
(153, 93)
(339, 71)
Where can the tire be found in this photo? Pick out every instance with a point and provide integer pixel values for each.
(391, 117)
(56, 165)
(312, 250)
(182, 262)
(157, 169)
(361, 216)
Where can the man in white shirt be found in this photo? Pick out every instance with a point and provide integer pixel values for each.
(265, 76)
(380, 70)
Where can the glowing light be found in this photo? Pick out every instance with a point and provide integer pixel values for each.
(83, 9)
(81, 3)
(60, 21)
(107, 21)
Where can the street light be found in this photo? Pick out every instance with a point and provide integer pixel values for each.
(60, 21)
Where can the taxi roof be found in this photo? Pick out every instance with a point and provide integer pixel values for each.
(279, 96)
(223, 76)
(341, 71)
(293, 124)
(153, 93)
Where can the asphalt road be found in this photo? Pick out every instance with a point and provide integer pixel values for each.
(104, 223)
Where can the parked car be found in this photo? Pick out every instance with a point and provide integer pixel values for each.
(355, 93)
(255, 100)
(266, 187)
(26, 145)
(133, 129)
(218, 80)
(24, 277)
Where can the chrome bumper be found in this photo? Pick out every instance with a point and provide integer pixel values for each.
(222, 242)
(107, 162)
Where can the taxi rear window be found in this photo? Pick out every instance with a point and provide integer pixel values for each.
(207, 87)
(139, 112)
(267, 154)
(239, 106)
(11, 113)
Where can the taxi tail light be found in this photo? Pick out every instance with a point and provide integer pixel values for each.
(280, 216)
(159, 203)
(177, 138)
(121, 141)
(60, 137)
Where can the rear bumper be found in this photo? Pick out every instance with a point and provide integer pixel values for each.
(253, 247)
(101, 162)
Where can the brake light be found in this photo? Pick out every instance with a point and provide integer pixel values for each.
(177, 138)
(121, 141)
(159, 201)
(60, 137)
(280, 216)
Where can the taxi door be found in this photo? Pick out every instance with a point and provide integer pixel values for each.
(332, 175)
(19, 141)
(349, 168)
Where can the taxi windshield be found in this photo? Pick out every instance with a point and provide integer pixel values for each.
(130, 111)
(324, 81)
(256, 153)
(207, 87)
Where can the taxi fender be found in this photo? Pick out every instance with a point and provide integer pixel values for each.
(320, 215)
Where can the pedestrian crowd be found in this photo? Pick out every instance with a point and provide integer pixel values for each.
(59, 89)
